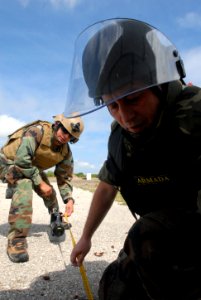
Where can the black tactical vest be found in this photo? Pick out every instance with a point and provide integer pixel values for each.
(162, 170)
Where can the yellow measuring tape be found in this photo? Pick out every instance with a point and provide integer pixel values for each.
(82, 269)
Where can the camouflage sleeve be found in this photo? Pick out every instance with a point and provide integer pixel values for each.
(64, 174)
(188, 113)
(25, 153)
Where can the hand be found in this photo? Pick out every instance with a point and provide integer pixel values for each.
(80, 251)
(69, 208)
(45, 189)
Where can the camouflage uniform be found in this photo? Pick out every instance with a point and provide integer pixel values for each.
(23, 175)
(159, 176)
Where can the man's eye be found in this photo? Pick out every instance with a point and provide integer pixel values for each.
(113, 105)
(131, 99)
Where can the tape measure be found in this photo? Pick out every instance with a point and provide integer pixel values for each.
(82, 269)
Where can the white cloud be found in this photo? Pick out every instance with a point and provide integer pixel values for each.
(190, 20)
(8, 125)
(54, 3)
(24, 3)
(192, 63)
(84, 164)
(68, 3)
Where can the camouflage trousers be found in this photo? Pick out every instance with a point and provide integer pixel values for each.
(21, 192)
(160, 260)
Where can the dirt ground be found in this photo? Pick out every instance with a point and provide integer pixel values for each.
(78, 182)
(49, 275)
(88, 185)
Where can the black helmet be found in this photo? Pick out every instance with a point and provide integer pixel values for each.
(120, 54)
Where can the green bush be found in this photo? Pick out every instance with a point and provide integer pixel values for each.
(94, 175)
(50, 174)
(80, 175)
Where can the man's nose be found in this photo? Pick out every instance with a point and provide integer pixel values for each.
(125, 110)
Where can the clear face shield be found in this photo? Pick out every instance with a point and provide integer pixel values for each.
(118, 57)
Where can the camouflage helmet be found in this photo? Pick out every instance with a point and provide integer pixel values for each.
(120, 54)
(73, 125)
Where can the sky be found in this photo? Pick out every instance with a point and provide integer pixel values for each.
(36, 51)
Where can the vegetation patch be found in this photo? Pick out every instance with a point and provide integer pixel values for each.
(80, 181)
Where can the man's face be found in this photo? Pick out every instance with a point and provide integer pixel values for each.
(135, 112)
(61, 136)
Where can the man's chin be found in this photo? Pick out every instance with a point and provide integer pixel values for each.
(136, 129)
(57, 143)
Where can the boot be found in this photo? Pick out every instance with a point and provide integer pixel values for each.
(17, 250)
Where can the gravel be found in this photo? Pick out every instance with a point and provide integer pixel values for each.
(49, 274)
